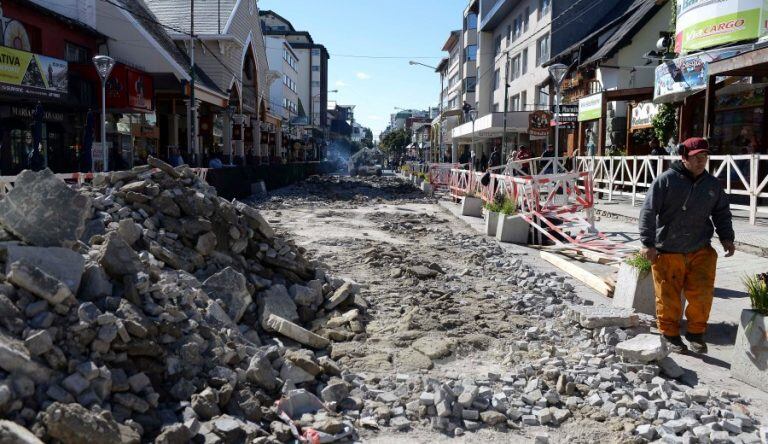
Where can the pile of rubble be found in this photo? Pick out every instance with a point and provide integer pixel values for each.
(341, 191)
(146, 307)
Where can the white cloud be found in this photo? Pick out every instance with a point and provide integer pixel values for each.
(374, 117)
(340, 83)
(363, 76)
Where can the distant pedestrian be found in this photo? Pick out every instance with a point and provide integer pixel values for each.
(683, 209)
(495, 159)
(591, 146)
(549, 153)
(656, 149)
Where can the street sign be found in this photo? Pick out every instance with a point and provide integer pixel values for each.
(566, 109)
(567, 118)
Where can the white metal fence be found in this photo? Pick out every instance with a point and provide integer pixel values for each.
(744, 177)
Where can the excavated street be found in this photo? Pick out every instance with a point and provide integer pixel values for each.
(467, 340)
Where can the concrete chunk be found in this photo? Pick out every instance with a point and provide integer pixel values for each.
(38, 282)
(643, 349)
(43, 211)
(229, 288)
(597, 316)
(62, 263)
(276, 301)
(297, 333)
(339, 296)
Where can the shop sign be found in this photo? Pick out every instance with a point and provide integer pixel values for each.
(538, 123)
(27, 113)
(706, 23)
(591, 107)
(32, 75)
(128, 88)
(677, 78)
(642, 115)
(565, 118)
(566, 109)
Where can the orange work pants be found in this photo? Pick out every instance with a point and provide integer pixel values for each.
(691, 274)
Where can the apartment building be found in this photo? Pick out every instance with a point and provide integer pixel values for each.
(283, 92)
(312, 70)
(515, 38)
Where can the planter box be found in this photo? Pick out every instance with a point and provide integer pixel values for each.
(634, 291)
(512, 229)
(491, 221)
(750, 353)
(472, 206)
(426, 187)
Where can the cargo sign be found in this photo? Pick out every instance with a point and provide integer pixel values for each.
(32, 75)
(707, 23)
(591, 107)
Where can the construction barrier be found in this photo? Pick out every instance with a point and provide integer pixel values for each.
(440, 176)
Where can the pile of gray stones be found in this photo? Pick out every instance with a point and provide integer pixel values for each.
(143, 307)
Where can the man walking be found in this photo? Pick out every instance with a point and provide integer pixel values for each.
(495, 160)
(681, 212)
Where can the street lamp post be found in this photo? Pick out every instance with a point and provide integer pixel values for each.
(104, 65)
(440, 148)
(557, 72)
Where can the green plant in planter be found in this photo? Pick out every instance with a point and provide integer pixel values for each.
(508, 207)
(757, 288)
(638, 261)
(496, 205)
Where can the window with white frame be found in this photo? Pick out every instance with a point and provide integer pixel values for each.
(523, 100)
(544, 7)
(515, 103)
(526, 18)
(496, 79)
(515, 68)
(509, 34)
(524, 62)
(518, 26)
(542, 50)
(542, 97)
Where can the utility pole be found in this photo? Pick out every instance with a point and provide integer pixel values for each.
(192, 109)
(440, 120)
(506, 110)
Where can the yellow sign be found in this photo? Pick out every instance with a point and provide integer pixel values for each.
(27, 73)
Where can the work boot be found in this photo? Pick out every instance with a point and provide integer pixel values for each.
(696, 341)
(676, 344)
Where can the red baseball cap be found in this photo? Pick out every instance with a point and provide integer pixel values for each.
(695, 145)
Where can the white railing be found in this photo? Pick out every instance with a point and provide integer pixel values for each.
(744, 177)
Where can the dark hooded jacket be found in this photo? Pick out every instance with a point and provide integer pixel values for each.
(681, 213)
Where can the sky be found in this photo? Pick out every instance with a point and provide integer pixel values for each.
(400, 29)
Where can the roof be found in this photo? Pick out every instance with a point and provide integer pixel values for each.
(442, 65)
(277, 16)
(631, 23)
(453, 38)
(145, 17)
(63, 18)
(211, 17)
(619, 33)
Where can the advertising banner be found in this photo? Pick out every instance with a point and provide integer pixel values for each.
(675, 79)
(538, 123)
(642, 115)
(707, 23)
(590, 107)
(33, 75)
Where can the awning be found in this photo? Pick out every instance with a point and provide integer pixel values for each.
(750, 63)
(492, 125)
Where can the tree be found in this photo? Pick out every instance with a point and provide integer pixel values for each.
(394, 144)
(368, 138)
(665, 123)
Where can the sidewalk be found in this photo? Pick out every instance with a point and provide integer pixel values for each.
(730, 298)
(749, 238)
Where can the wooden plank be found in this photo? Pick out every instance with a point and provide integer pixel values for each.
(587, 277)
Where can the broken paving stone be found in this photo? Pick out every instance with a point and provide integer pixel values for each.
(493, 418)
(670, 368)
(43, 211)
(422, 272)
(39, 342)
(297, 333)
(61, 263)
(339, 296)
(118, 258)
(434, 348)
(335, 391)
(643, 348)
(597, 316)
(410, 359)
(14, 358)
(12, 433)
(276, 301)
(37, 282)
(74, 424)
(229, 288)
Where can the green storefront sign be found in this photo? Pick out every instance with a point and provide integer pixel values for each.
(590, 107)
(706, 23)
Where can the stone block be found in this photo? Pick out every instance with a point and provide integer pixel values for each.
(491, 222)
(62, 263)
(597, 316)
(472, 206)
(38, 282)
(749, 362)
(512, 229)
(297, 333)
(229, 288)
(634, 290)
(118, 258)
(643, 348)
(339, 296)
(276, 301)
(43, 211)
(12, 433)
